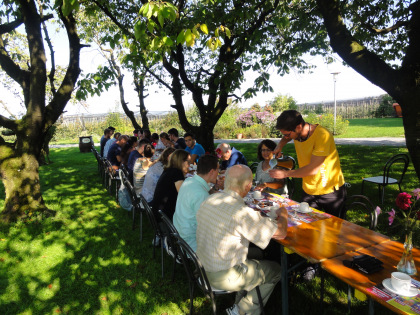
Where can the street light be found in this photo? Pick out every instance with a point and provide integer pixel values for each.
(335, 101)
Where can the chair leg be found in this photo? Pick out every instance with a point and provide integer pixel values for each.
(322, 289)
(161, 254)
(383, 195)
(134, 218)
(260, 300)
(349, 298)
(141, 225)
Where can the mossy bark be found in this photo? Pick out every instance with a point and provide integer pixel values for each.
(20, 177)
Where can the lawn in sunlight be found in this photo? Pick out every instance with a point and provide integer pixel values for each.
(88, 260)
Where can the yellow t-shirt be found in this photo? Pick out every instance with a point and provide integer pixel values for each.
(320, 143)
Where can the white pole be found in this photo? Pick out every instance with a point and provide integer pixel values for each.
(335, 101)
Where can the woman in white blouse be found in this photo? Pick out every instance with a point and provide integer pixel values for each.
(262, 177)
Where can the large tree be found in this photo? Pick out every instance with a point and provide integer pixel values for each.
(204, 48)
(19, 160)
(381, 41)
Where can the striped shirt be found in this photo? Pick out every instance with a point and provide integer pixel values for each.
(225, 226)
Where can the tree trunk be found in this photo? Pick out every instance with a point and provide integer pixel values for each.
(411, 119)
(20, 177)
(140, 89)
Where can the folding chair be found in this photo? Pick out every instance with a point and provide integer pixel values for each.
(197, 277)
(136, 201)
(402, 160)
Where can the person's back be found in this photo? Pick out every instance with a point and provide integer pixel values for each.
(192, 193)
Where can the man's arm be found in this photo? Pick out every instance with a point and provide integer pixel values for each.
(277, 151)
(281, 224)
(311, 169)
(193, 158)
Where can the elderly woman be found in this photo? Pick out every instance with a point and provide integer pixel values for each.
(170, 182)
(262, 177)
(153, 175)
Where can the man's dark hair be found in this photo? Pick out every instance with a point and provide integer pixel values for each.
(155, 136)
(269, 144)
(112, 128)
(145, 141)
(149, 150)
(206, 163)
(189, 134)
(107, 131)
(135, 131)
(289, 120)
(125, 137)
(117, 135)
(174, 132)
(147, 134)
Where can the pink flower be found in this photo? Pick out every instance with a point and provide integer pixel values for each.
(378, 211)
(416, 193)
(403, 201)
(391, 216)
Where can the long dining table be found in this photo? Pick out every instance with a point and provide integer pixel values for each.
(323, 239)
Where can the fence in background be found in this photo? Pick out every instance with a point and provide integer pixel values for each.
(348, 109)
(82, 119)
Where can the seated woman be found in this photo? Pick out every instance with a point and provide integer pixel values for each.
(141, 166)
(153, 175)
(169, 184)
(262, 177)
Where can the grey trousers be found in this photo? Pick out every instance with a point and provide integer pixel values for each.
(247, 276)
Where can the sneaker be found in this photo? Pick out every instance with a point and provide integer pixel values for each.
(234, 310)
(156, 241)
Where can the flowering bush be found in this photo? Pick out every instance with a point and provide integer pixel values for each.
(407, 204)
(252, 117)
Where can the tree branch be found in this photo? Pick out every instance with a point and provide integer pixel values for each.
(387, 30)
(8, 27)
(8, 123)
(355, 54)
(58, 103)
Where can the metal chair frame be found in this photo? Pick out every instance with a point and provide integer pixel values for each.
(156, 228)
(197, 276)
(385, 179)
(136, 201)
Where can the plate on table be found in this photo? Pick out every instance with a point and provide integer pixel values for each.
(298, 209)
(387, 284)
(264, 205)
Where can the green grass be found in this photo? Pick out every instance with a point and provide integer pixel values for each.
(371, 128)
(88, 260)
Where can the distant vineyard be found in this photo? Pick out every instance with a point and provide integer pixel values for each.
(348, 109)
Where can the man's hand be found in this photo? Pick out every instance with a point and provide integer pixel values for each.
(277, 151)
(279, 174)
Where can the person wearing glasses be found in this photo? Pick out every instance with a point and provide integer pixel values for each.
(263, 179)
(319, 163)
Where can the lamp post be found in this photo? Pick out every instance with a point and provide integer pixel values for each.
(335, 101)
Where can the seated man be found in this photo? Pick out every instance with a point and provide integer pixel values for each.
(114, 153)
(230, 156)
(178, 142)
(192, 193)
(107, 135)
(110, 142)
(134, 155)
(225, 227)
(193, 148)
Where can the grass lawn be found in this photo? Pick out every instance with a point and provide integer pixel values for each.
(375, 127)
(88, 260)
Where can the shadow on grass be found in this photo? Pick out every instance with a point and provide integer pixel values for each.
(88, 260)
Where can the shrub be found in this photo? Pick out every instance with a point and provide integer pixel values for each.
(327, 121)
(385, 108)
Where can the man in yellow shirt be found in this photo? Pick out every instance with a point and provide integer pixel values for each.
(319, 163)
